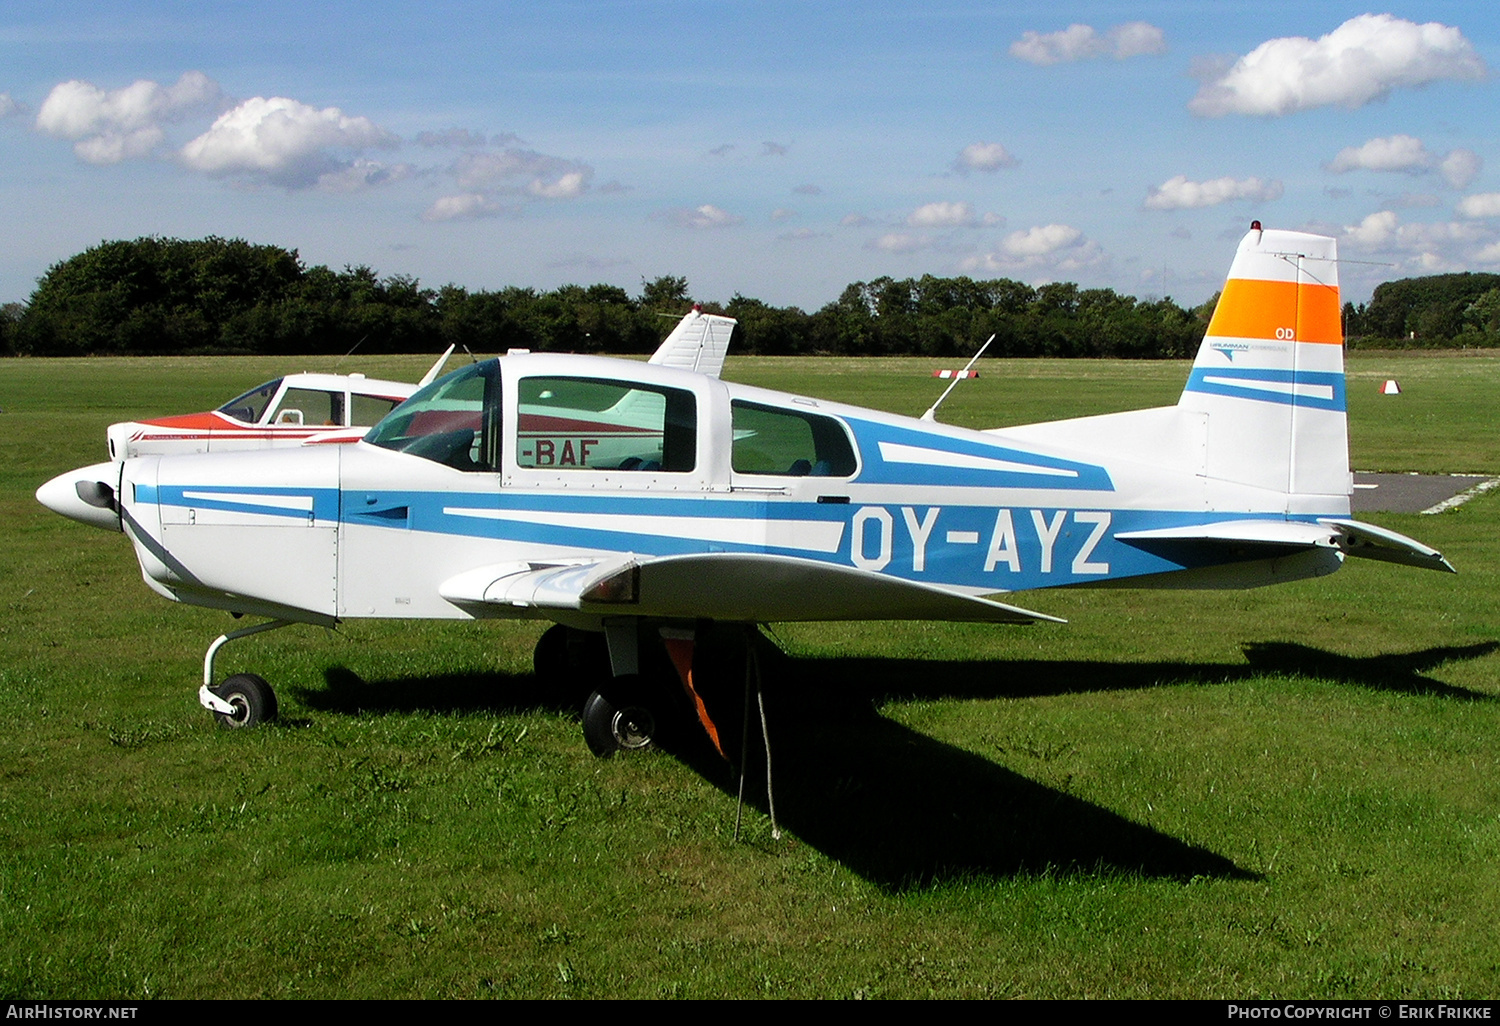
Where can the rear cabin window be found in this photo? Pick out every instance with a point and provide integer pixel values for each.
(310, 406)
(368, 409)
(454, 421)
(771, 440)
(597, 424)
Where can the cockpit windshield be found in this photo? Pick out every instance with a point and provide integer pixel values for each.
(251, 406)
(454, 421)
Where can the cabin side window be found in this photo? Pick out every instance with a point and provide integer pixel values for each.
(789, 443)
(368, 409)
(310, 406)
(598, 424)
(454, 421)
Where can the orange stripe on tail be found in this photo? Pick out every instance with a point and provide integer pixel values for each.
(1284, 310)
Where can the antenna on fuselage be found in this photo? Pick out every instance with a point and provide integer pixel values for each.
(931, 413)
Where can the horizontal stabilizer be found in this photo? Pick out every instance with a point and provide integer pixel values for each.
(1259, 539)
(746, 587)
(1373, 542)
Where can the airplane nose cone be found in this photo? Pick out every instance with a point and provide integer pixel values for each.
(86, 495)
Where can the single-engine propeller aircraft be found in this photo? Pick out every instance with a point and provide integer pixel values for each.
(308, 409)
(297, 409)
(631, 502)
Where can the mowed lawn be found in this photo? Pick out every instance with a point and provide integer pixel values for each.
(1288, 792)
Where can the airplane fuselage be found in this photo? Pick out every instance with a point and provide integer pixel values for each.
(370, 531)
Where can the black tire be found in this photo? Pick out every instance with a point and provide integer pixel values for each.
(253, 700)
(549, 660)
(570, 663)
(618, 720)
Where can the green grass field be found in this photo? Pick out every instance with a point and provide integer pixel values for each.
(1289, 792)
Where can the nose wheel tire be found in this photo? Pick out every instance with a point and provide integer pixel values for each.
(614, 724)
(252, 698)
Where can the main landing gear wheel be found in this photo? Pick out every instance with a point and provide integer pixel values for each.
(616, 720)
(252, 698)
(571, 663)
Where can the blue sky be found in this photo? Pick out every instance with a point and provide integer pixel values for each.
(780, 150)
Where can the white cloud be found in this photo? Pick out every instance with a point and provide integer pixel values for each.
(1393, 153)
(1087, 253)
(854, 220)
(983, 156)
(1483, 204)
(782, 213)
(1047, 249)
(1041, 241)
(1436, 246)
(1406, 153)
(1180, 194)
(899, 242)
(1081, 42)
(1137, 39)
(463, 207)
(123, 124)
(8, 106)
(801, 235)
(361, 174)
(1460, 167)
(1374, 230)
(568, 185)
(1361, 60)
(941, 215)
(537, 174)
(702, 217)
(282, 141)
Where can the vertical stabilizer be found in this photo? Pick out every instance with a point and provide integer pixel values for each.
(1270, 373)
(698, 343)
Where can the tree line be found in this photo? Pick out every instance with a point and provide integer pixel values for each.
(155, 296)
(1437, 311)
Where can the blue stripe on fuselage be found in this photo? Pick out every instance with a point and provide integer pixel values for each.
(1009, 548)
(931, 458)
(999, 548)
(325, 501)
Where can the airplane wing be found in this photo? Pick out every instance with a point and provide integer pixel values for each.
(698, 343)
(1259, 539)
(721, 586)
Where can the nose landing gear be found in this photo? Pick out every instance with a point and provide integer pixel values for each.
(244, 699)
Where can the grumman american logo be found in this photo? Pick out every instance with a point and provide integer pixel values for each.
(1230, 348)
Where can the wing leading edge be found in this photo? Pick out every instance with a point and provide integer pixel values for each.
(723, 586)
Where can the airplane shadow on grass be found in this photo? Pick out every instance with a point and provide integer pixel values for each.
(897, 807)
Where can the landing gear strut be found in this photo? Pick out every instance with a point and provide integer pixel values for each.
(244, 699)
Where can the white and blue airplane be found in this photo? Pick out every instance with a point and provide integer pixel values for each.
(631, 502)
